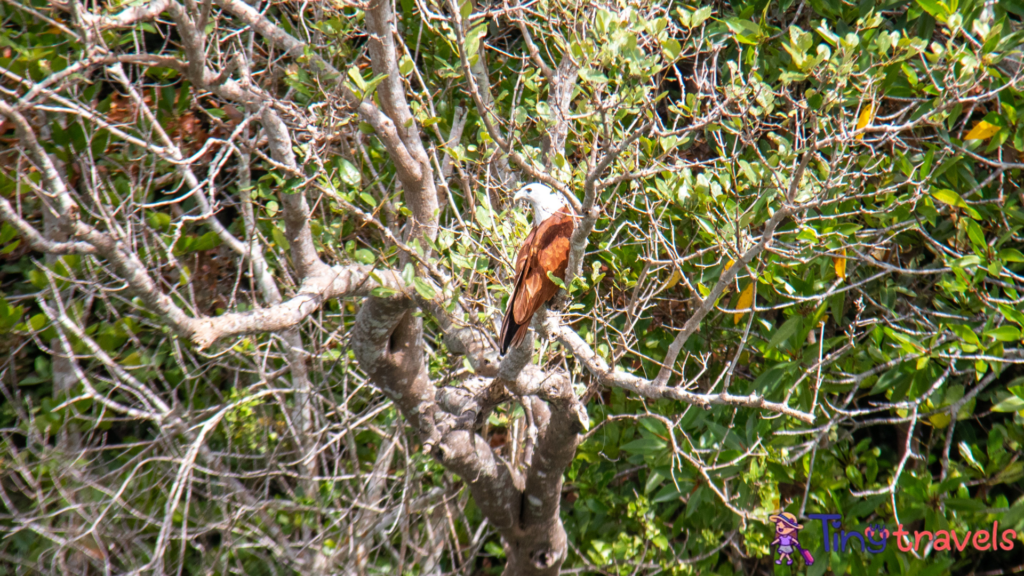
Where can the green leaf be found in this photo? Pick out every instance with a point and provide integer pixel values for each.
(645, 446)
(365, 256)
(1017, 391)
(423, 288)
(291, 186)
(908, 344)
(558, 281)
(935, 8)
(593, 76)
(9, 315)
(473, 38)
(1010, 404)
(1015, 316)
(1011, 255)
(370, 86)
(279, 238)
(383, 292)
(966, 333)
(406, 65)
(746, 32)
(207, 241)
(349, 173)
(966, 262)
(37, 322)
(954, 199)
(483, 216)
(1004, 334)
(672, 48)
(700, 16)
(893, 377)
(157, 220)
(976, 235)
(409, 274)
(357, 78)
(783, 333)
(968, 454)
(837, 305)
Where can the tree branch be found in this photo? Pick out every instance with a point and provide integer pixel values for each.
(418, 180)
(606, 376)
(388, 343)
(296, 209)
(36, 240)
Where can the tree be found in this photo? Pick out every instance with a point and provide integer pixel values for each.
(276, 235)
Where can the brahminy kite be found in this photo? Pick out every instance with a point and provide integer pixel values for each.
(545, 250)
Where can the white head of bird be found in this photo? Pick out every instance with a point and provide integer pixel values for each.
(543, 199)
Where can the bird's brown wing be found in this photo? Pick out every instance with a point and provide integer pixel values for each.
(508, 325)
(545, 250)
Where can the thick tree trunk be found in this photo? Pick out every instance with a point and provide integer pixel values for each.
(536, 550)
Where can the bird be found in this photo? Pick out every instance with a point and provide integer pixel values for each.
(546, 249)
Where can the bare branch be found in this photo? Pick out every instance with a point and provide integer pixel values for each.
(35, 239)
(606, 376)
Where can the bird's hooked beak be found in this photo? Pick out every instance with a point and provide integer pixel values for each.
(521, 194)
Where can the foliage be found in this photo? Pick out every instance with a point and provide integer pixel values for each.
(888, 305)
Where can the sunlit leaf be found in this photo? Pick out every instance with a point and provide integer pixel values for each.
(671, 48)
(865, 119)
(676, 277)
(839, 263)
(953, 199)
(349, 173)
(1004, 333)
(746, 299)
(982, 131)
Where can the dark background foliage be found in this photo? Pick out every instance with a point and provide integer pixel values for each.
(885, 306)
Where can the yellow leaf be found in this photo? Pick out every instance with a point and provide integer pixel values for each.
(865, 119)
(746, 299)
(982, 131)
(840, 264)
(676, 277)
(728, 265)
(940, 420)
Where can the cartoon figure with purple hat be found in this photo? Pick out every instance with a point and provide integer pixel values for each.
(786, 528)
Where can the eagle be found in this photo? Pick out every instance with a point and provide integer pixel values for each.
(545, 250)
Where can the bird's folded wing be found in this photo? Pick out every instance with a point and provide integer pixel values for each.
(547, 251)
(521, 269)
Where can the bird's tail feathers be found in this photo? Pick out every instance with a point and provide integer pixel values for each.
(512, 334)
